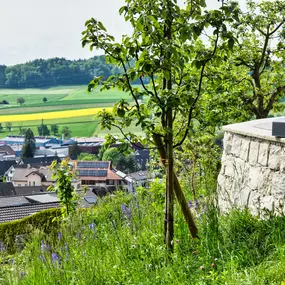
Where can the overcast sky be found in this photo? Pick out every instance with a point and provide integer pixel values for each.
(31, 29)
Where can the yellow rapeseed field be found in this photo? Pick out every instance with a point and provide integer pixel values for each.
(52, 115)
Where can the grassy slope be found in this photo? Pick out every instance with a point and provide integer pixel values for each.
(110, 244)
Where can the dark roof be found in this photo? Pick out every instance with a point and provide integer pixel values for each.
(7, 149)
(18, 212)
(7, 189)
(13, 201)
(5, 165)
(29, 190)
(45, 160)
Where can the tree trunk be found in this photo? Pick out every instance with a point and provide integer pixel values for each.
(178, 191)
(169, 183)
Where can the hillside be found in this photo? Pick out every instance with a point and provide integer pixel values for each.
(54, 71)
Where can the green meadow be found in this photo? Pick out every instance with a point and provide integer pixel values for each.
(61, 98)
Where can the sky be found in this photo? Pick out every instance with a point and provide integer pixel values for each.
(31, 29)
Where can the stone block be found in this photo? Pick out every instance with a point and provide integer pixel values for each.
(253, 177)
(244, 149)
(236, 144)
(229, 167)
(278, 184)
(275, 153)
(265, 181)
(244, 196)
(227, 142)
(253, 152)
(282, 160)
(263, 153)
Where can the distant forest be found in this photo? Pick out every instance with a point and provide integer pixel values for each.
(54, 71)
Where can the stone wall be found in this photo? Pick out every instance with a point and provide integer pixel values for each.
(253, 171)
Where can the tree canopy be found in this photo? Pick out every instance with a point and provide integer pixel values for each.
(54, 71)
(253, 78)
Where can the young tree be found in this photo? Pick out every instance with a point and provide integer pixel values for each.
(66, 132)
(254, 77)
(21, 101)
(63, 186)
(43, 130)
(45, 99)
(29, 145)
(9, 126)
(54, 129)
(162, 45)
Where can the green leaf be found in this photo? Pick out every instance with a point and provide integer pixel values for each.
(231, 43)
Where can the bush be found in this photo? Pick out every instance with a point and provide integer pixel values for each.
(43, 220)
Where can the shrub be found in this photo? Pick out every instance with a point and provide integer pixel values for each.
(43, 220)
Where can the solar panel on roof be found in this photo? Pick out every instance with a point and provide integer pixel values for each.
(92, 164)
(90, 172)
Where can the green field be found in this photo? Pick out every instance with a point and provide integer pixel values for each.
(61, 98)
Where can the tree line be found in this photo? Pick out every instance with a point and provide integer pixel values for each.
(55, 71)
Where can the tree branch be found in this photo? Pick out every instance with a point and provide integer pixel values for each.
(198, 93)
(272, 99)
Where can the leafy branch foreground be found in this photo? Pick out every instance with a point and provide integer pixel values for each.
(120, 242)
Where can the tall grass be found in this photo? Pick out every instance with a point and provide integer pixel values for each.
(120, 241)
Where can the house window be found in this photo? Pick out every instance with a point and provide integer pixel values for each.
(34, 183)
(29, 183)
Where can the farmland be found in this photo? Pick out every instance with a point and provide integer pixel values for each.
(70, 106)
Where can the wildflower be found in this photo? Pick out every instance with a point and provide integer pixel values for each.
(196, 204)
(213, 265)
(177, 241)
(55, 257)
(92, 226)
(22, 274)
(44, 246)
(59, 235)
(216, 259)
(126, 211)
(202, 267)
(66, 246)
(190, 204)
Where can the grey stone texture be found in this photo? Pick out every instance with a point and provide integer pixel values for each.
(252, 173)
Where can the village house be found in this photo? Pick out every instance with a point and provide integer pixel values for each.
(98, 173)
(27, 175)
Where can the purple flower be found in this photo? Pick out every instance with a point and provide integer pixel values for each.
(22, 274)
(66, 247)
(55, 257)
(44, 246)
(190, 204)
(92, 226)
(59, 235)
(126, 211)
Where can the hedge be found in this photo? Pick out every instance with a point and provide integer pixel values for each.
(43, 220)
